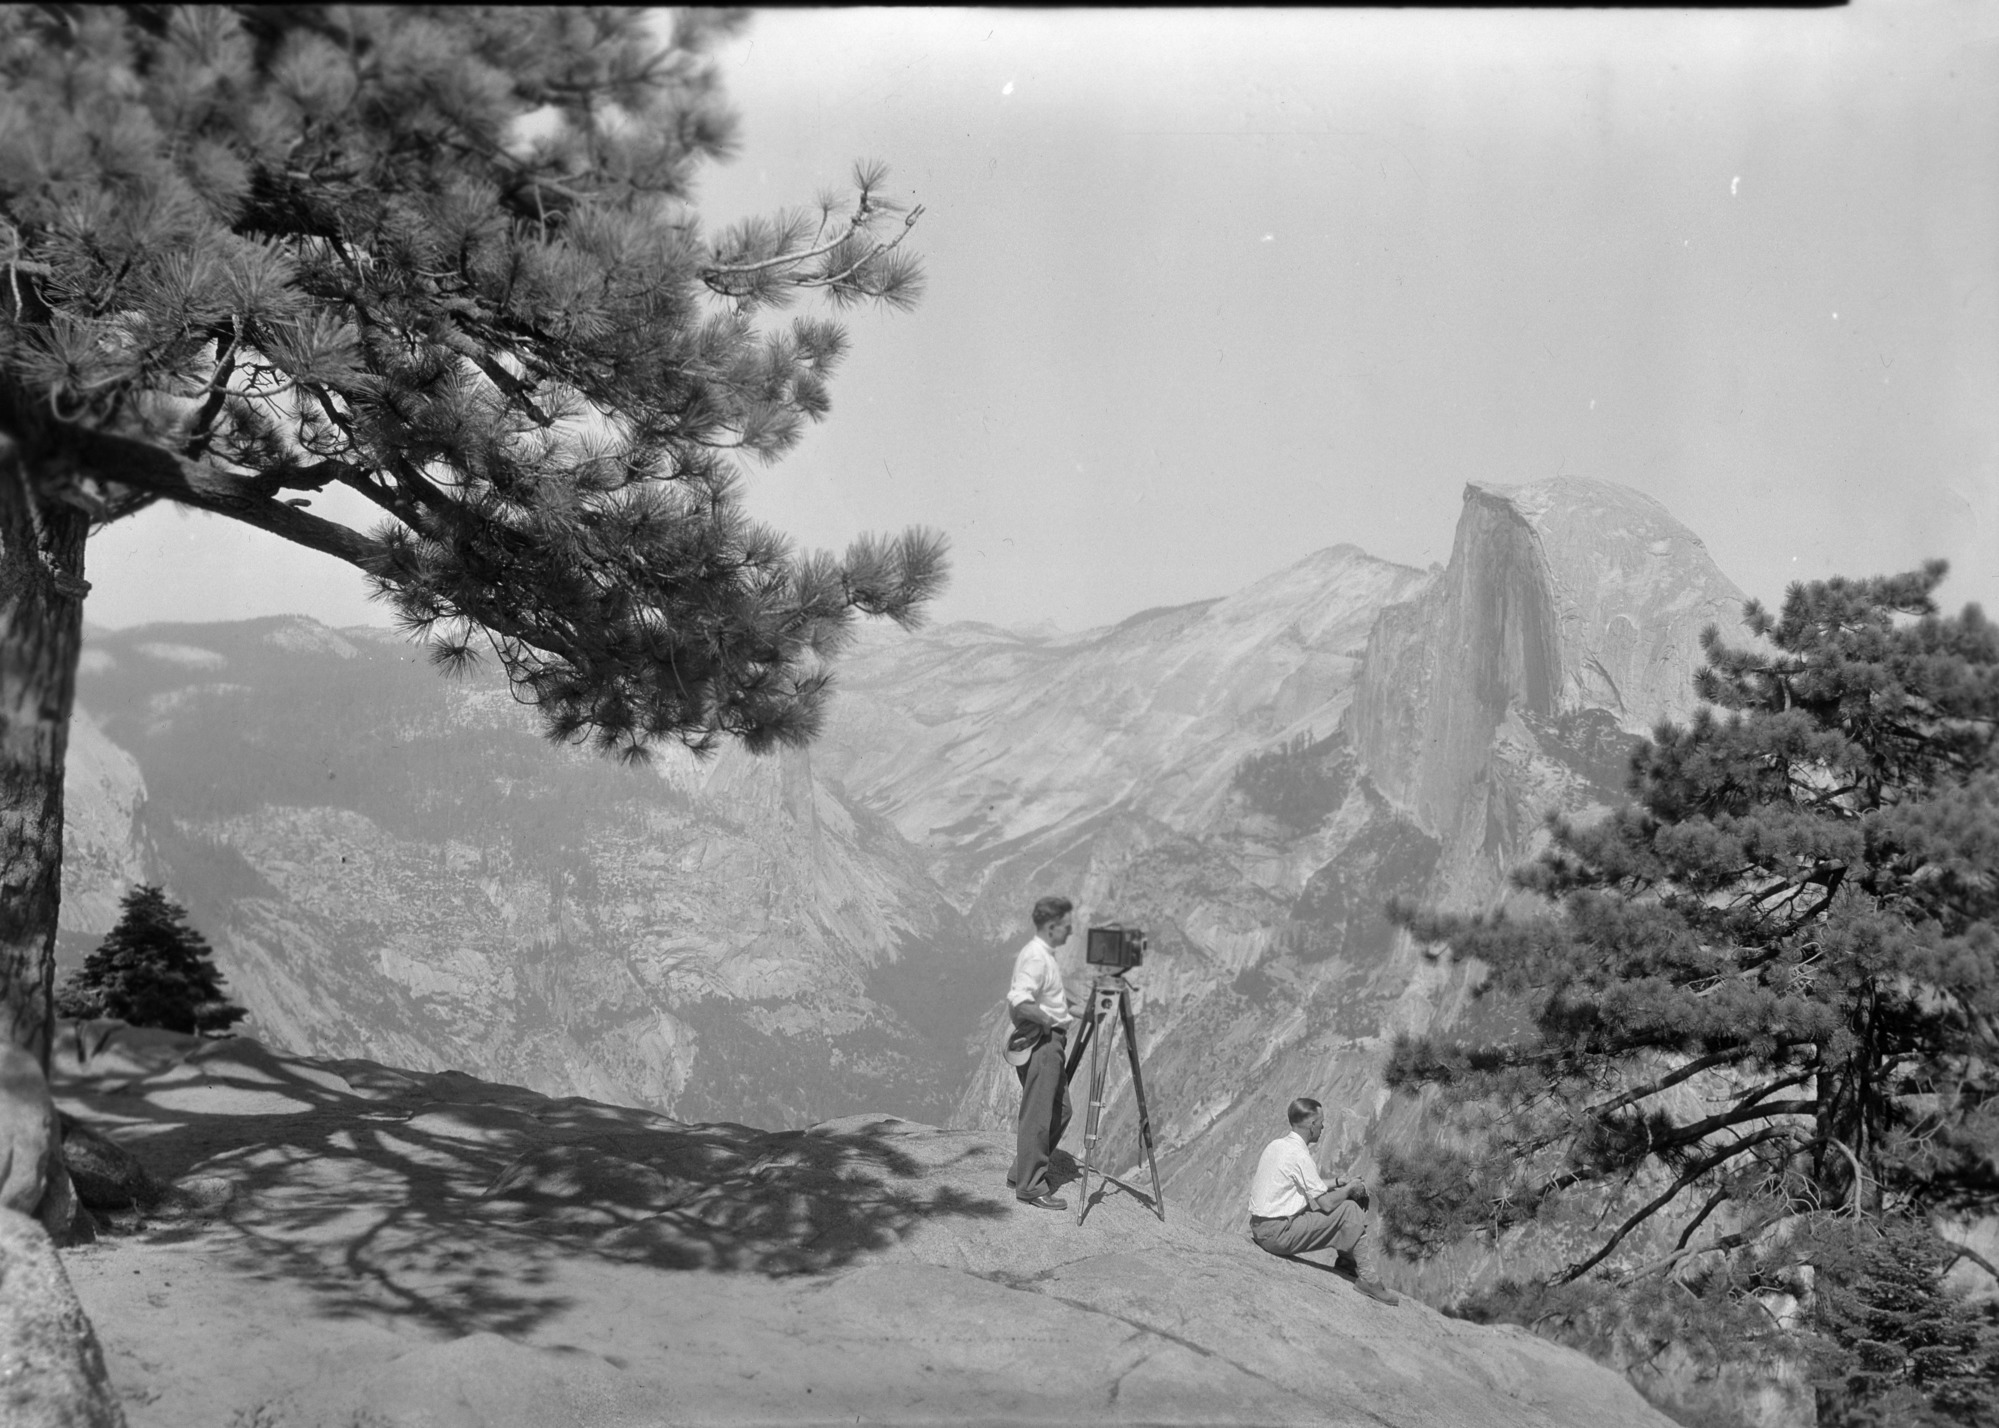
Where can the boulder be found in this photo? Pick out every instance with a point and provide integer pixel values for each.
(51, 1369)
(107, 1176)
(61, 1213)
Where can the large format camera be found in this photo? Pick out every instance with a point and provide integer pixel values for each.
(1115, 948)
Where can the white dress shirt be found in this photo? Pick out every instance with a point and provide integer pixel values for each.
(1287, 1179)
(1037, 978)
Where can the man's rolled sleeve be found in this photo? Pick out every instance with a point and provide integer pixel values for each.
(1305, 1175)
(1023, 989)
(1037, 978)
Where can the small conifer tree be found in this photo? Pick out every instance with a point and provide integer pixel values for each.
(152, 970)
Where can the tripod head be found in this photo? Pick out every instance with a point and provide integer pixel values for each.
(1113, 983)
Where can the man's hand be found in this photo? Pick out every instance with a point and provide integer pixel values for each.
(1353, 1190)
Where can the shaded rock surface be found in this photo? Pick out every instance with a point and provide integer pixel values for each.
(51, 1369)
(429, 1249)
(32, 1177)
(28, 1130)
(106, 1175)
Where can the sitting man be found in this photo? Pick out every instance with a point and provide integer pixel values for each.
(1292, 1211)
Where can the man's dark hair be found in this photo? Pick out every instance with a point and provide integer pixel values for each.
(1051, 909)
(1301, 1110)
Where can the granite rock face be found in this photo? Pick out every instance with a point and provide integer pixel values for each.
(29, 1139)
(51, 1368)
(972, 738)
(429, 1248)
(1561, 600)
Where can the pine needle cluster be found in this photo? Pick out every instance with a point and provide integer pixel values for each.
(448, 258)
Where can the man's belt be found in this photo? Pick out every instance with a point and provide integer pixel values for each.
(1275, 1219)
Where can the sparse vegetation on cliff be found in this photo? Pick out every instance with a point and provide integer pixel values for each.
(1300, 782)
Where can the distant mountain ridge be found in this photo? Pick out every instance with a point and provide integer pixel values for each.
(395, 866)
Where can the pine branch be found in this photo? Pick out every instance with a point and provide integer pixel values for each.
(1652, 1207)
(1713, 1202)
(1683, 1252)
(714, 271)
(120, 460)
(1671, 1079)
(1745, 1110)
(226, 343)
(878, 250)
(1967, 1252)
(1859, 1175)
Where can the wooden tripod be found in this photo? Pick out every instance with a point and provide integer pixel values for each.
(1110, 993)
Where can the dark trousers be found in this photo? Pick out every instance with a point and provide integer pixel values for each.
(1044, 1115)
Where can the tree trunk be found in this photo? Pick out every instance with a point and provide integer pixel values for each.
(41, 637)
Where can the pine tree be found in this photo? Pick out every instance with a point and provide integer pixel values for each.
(1893, 1348)
(1794, 917)
(152, 970)
(448, 259)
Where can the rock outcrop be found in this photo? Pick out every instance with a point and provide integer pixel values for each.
(1561, 600)
(406, 1247)
(51, 1369)
(103, 844)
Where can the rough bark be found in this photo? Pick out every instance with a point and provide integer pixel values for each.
(41, 636)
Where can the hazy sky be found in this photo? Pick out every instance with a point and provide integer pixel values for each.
(1210, 291)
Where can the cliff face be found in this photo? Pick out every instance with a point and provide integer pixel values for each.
(1561, 599)
(102, 845)
(395, 866)
(970, 738)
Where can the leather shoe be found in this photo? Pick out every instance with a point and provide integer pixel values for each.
(1047, 1202)
(1377, 1291)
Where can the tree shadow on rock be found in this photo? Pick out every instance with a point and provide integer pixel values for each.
(806, 1202)
(455, 1202)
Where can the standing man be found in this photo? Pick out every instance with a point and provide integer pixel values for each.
(1292, 1211)
(1039, 1005)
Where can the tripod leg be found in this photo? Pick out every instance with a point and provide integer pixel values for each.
(1085, 1025)
(1100, 1065)
(1138, 1087)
